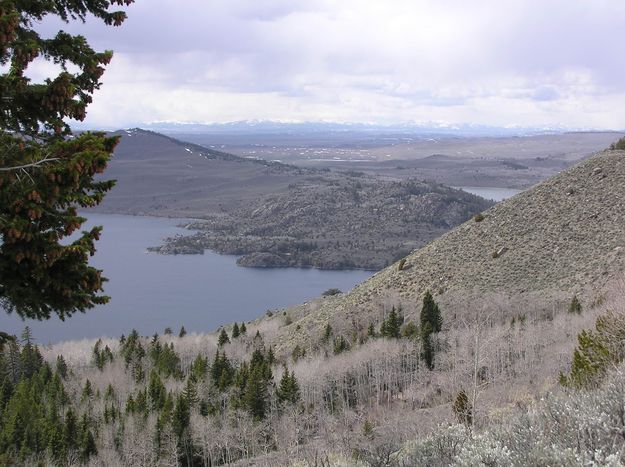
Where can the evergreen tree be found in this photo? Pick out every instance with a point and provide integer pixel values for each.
(4, 339)
(156, 391)
(190, 393)
(98, 357)
(110, 393)
(199, 368)
(240, 382)
(243, 329)
(371, 330)
(165, 359)
(235, 331)
(216, 369)
(288, 389)
(283, 387)
(181, 416)
(427, 347)
(27, 336)
(130, 405)
(12, 357)
(327, 333)
(392, 326)
(430, 313)
(256, 394)
(30, 360)
(142, 404)
(87, 446)
(54, 434)
(340, 345)
(271, 358)
(590, 361)
(183, 332)
(6, 391)
(223, 338)
(257, 360)
(45, 176)
(431, 323)
(131, 349)
(108, 354)
(70, 430)
(87, 391)
(221, 371)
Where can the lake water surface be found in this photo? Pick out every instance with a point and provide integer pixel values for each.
(150, 291)
(494, 194)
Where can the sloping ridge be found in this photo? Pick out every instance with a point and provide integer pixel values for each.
(159, 175)
(564, 235)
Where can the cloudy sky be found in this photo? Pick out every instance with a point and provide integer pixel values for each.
(495, 62)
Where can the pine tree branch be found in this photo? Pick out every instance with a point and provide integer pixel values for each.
(29, 166)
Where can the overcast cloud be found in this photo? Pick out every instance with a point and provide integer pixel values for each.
(506, 62)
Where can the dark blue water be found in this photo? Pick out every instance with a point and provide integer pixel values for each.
(151, 291)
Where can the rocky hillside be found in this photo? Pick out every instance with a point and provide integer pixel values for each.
(334, 222)
(562, 237)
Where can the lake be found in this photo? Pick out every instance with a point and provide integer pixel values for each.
(150, 292)
(494, 194)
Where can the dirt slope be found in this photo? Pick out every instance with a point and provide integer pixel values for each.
(564, 236)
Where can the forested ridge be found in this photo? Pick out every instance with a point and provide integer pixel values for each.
(403, 392)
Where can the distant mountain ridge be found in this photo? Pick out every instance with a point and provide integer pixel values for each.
(413, 128)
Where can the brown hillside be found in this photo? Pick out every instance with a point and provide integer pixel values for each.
(562, 237)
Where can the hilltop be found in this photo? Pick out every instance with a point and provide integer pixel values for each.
(159, 175)
(562, 237)
(333, 223)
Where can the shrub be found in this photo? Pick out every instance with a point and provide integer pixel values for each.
(409, 329)
(479, 217)
(597, 351)
(575, 306)
(340, 345)
(298, 353)
(462, 409)
(401, 264)
(619, 145)
(330, 292)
